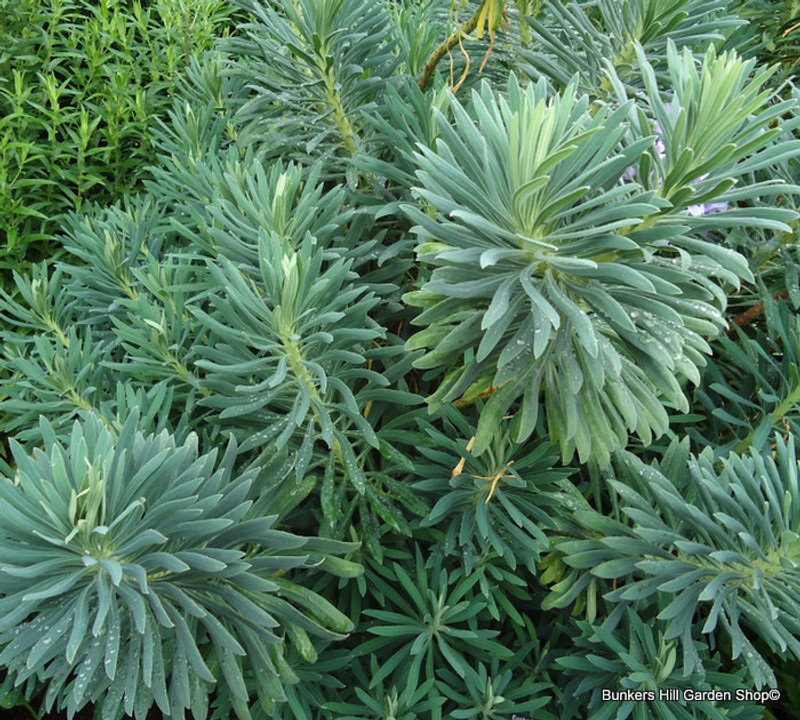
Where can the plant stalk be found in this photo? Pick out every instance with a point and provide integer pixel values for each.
(445, 47)
(753, 312)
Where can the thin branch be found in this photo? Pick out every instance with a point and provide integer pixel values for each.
(443, 49)
(466, 69)
(753, 312)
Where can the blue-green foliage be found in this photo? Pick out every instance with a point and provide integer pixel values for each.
(122, 555)
(494, 377)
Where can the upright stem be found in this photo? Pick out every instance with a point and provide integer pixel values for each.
(340, 118)
(303, 375)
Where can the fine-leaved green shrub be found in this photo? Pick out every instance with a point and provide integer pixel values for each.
(81, 86)
(770, 33)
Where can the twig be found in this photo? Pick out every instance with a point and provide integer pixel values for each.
(446, 47)
(466, 69)
(753, 312)
(488, 52)
(794, 27)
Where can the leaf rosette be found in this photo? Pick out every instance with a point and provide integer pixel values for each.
(130, 573)
(560, 280)
(718, 547)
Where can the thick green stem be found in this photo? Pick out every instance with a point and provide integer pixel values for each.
(303, 376)
(446, 47)
(340, 118)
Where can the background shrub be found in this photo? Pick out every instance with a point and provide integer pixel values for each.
(81, 87)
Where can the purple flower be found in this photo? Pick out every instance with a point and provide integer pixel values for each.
(661, 149)
(706, 209)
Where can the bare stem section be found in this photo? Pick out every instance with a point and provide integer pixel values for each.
(443, 49)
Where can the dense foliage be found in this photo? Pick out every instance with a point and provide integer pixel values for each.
(81, 87)
(500, 362)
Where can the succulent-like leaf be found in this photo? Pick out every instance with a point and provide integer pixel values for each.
(557, 280)
(128, 563)
(720, 547)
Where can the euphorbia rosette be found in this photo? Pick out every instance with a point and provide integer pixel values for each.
(132, 573)
(557, 283)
